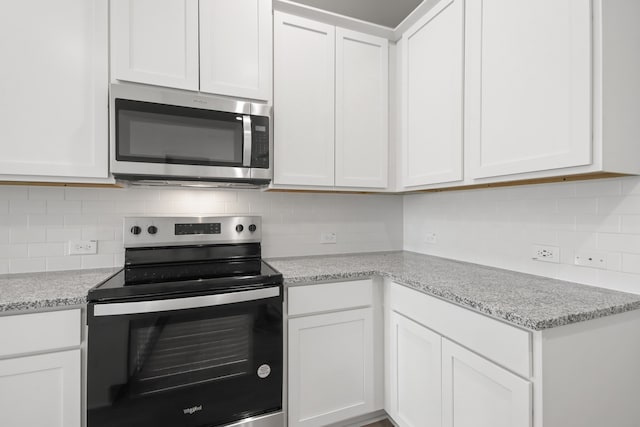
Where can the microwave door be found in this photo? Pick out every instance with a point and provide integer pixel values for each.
(176, 141)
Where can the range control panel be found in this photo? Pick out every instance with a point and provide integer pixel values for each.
(150, 231)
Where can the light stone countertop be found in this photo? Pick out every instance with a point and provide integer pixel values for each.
(29, 291)
(532, 302)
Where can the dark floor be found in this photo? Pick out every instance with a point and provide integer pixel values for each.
(382, 423)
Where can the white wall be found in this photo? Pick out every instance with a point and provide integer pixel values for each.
(36, 223)
(497, 227)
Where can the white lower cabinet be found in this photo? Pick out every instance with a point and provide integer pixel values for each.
(434, 382)
(41, 390)
(415, 364)
(334, 360)
(478, 393)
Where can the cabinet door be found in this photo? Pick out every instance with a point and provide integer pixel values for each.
(478, 393)
(41, 390)
(528, 85)
(303, 92)
(54, 89)
(235, 48)
(362, 82)
(155, 42)
(432, 88)
(330, 367)
(414, 363)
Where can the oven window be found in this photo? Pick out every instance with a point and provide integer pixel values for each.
(167, 354)
(156, 133)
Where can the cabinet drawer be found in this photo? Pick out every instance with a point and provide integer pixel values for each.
(506, 345)
(330, 297)
(29, 333)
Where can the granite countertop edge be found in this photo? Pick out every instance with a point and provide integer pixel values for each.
(23, 292)
(509, 316)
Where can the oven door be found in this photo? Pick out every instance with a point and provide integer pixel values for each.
(203, 360)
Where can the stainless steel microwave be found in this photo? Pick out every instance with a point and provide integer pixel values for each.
(165, 136)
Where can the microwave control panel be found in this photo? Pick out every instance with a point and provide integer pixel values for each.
(260, 142)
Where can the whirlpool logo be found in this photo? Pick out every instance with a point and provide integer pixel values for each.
(192, 410)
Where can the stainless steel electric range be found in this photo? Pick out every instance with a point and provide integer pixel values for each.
(189, 332)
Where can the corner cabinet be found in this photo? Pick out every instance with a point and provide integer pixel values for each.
(431, 381)
(214, 46)
(330, 106)
(432, 96)
(501, 91)
(529, 85)
(334, 353)
(54, 91)
(42, 389)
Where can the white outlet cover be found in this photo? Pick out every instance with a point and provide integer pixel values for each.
(328, 238)
(591, 259)
(83, 247)
(545, 253)
(431, 238)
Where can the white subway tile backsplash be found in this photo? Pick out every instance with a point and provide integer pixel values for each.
(605, 187)
(630, 224)
(62, 263)
(596, 215)
(27, 206)
(46, 249)
(63, 234)
(46, 193)
(27, 265)
(64, 206)
(74, 193)
(28, 235)
(292, 222)
(110, 247)
(100, 207)
(14, 193)
(46, 220)
(80, 220)
(97, 261)
(631, 263)
(602, 223)
(619, 205)
(619, 242)
(578, 206)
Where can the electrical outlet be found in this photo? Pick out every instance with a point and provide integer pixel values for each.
(591, 259)
(545, 253)
(83, 247)
(328, 238)
(431, 238)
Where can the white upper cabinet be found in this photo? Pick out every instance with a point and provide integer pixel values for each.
(236, 48)
(304, 64)
(155, 42)
(215, 46)
(432, 93)
(53, 88)
(362, 110)
(529, 85)
(330, 105)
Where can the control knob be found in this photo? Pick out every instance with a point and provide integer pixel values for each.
(252, 228)
(239, 228)
(136, 230)
(152, 229)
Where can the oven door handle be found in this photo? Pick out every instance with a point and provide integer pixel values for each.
(154, 306)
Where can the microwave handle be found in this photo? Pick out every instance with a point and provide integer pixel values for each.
(154, 306)
(246, 155)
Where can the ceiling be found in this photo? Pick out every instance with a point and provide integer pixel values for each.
(388, 13)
